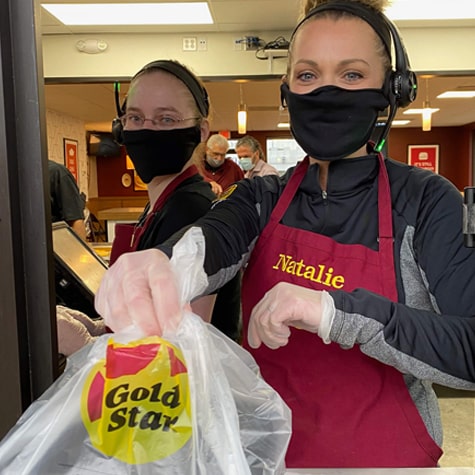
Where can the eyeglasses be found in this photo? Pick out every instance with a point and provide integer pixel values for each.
(162, 121)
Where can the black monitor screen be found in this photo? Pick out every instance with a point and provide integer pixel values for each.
(79, 270)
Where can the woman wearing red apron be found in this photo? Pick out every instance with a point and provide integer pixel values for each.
(344, 404)
(356, 278)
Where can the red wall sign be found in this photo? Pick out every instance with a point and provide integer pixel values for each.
(424, 156)
(71, 156)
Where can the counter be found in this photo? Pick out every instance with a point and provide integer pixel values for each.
(383, 471)
(118, 215)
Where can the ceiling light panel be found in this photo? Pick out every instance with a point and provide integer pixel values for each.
(456, 95)
(431, 10)
(420, 111)
(186, 13)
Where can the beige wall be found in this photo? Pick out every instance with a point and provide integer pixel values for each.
(431, 49)
(60, 126)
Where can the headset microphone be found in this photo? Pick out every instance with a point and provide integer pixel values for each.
(116, 123)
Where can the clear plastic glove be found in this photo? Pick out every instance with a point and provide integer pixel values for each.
(139, 289)
(147, 290)
(288, 305)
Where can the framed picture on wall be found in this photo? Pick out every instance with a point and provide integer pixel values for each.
(424, 156)
(71, 156)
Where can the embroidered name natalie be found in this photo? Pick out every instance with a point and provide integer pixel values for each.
(319, 273)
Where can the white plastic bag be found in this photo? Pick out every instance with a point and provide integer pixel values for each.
(192, 404)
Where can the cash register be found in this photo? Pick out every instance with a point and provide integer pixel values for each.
(78, 270)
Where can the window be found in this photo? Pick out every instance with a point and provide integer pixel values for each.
(283, 153)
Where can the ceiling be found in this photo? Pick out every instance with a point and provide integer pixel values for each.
(94, 103)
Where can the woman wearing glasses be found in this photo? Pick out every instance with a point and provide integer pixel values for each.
(163, 122)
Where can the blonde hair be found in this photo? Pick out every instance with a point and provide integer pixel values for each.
(378, 5)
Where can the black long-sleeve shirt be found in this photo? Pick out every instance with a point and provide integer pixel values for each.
(429, 334)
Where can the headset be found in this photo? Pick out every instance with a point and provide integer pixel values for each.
(173, 67)
(401, 83)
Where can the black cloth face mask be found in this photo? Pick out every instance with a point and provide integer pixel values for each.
(329, 122)
(160, 152)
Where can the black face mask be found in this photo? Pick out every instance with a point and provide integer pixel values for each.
(160, 152)
(330, 123)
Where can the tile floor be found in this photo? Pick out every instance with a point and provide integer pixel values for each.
(458, 419)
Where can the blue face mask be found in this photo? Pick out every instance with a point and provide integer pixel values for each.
(246, 163)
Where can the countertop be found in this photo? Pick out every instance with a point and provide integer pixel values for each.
(120, 214)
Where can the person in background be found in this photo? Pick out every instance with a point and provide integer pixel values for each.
(252, 159)
(222, 172)
(356, 277)
(219, 171)
(66, 201)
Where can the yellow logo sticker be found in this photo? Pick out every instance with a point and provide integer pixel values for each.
(135, 403)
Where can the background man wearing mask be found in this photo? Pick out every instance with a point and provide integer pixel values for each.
(219, 171)
(251, 158)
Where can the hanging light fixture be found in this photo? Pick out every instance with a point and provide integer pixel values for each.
(426, 110)
(242, 113)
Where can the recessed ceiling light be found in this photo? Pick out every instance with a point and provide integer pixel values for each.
(456, 95)
(186, 13)
(283, 125)
(400, 122)
(419, 111)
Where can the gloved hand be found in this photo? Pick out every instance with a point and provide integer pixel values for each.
(288, 305)
(96, 327)
(140, 289)
(72, 333)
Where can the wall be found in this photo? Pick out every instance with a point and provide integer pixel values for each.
(455, 149)
(127, 53)
(109, 177)
(455, 156)
(59, 127)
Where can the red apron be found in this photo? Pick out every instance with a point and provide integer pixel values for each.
(348, 410)
(127, 236)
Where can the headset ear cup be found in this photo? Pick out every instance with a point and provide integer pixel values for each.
(117, 131)
(403, 87)
(408, 88)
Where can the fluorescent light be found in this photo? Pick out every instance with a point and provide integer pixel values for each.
(283, 125)
(431, 10)
(420, 111)
(400, 122)
(456, 95)
(186, 13)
